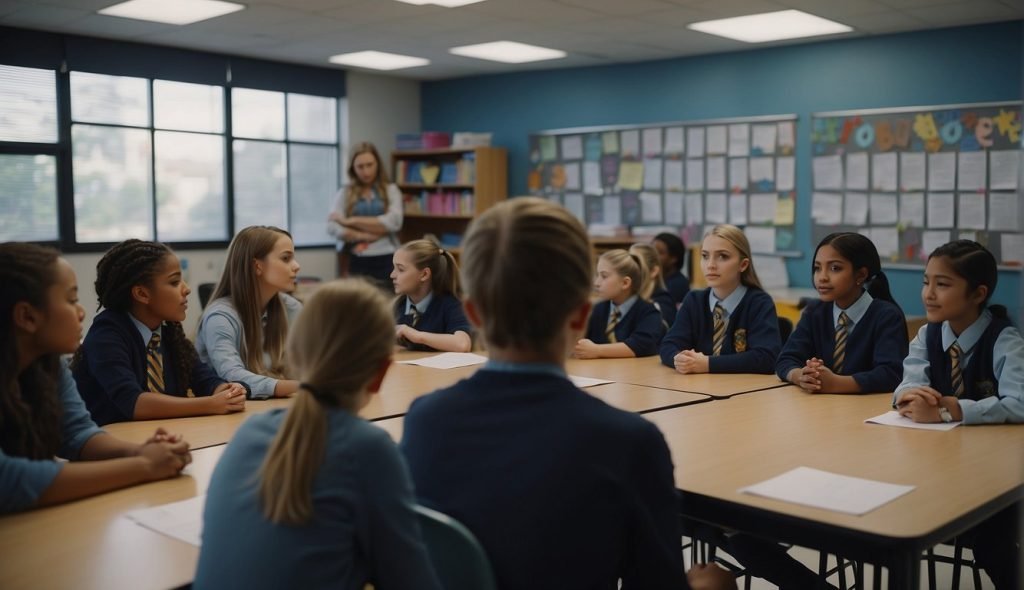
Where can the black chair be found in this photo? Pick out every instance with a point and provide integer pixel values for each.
(957, 560)
(205, 291)
(785, 329)
(458, 558)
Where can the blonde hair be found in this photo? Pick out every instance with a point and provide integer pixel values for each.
(628, 265)
(526, 265)
(240, 283)
(355, 186)
(444, 272)
(649, 256)
(736, 237)
(343, 335)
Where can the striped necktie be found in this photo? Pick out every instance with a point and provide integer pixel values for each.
(154, 365)
(613, 321)
(719, 338)
(415, 313)
(955, 372)
(839, 353)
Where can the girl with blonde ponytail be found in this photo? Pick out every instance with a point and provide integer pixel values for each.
(314, 496)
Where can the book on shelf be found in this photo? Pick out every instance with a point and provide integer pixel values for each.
(439, 203)
(461, 172)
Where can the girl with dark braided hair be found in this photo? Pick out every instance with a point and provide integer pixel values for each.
(136, 363)
(41, 413)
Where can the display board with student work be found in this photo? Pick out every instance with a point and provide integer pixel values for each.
(912, 179)
(680, 177)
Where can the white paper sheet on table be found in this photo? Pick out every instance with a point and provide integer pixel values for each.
(893, 418)
(179, 520)
(582, 382)
(831, 491)
(447, 360)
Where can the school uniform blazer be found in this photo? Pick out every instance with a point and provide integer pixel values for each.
(875, 349)
(663, 301)
(444, 315)
(678, 286)
(562, 490)
(112, 373)
(640, 329)
(752, 340)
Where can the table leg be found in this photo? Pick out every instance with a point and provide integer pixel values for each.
(905, 571)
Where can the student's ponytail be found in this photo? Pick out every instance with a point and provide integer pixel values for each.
(444, 272)
(628, 265)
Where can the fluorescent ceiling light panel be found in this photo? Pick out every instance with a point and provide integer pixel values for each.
(509, 52)
(445, 3)
(378, 60)
(770, 26)
(172, 12)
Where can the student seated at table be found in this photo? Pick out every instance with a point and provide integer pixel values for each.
(654, 287)
(41, 414)
(314, 496)
(428, 310)
(135, 362)
(623, 324)
(967, 364)
(562, 490)
(672, 257)
(730, 327)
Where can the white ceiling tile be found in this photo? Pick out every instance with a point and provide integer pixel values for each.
(620, 7)
(730, 8)
(38, 16)
(836, 9)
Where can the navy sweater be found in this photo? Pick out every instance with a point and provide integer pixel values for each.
(562, 490)
(444, 315)
(874, 350)
(112, 373)
(753, 324)
(678, 286)
(978, 375)
(640, 329)
(662, 300)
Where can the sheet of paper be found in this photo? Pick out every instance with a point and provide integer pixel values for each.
(629, 143)
(610, 142)
(652, 141)
(970, 212)
(592, 178)
(739, 139)
(1004, 165)
(762, 207)
(887, 241)
(932, 239)
(650, 208)
(572, 176)
(912, 176)
(857, 171)
(855, 209)
(674, 175)
(738, 180)
(717, 139)
(715, 208)
(694, 208)
(694, 175)
(179, 520)
(583, 382)
(827, 208)
(695, 142)
(738, 209)
(828, 172)
(652, 173)
(762, 239)
(831, 491)
(785, 211)
(1012, 248)
(971, 168)
(572, 147)
(941, 210)
(942, 171)
(674, 208)
(785, 173)
(674, 142)
(548, 148)
(762, 173)
(884, 210)
(787, 135)
(912, 209)
(574, 203)
(893, 418)
(715, 174)
(448, 360)
(612, 209)
(631, 175)
(762, 139)
(883, 172)
(1003, 211)
(771, 271)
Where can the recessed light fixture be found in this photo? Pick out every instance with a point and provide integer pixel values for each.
(171, 12)
(378, 60)
(445, 3)
(770, 26)
(509, 52)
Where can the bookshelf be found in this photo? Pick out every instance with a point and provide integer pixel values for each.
(444, 189)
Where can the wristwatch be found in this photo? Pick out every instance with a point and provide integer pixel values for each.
(945, 415)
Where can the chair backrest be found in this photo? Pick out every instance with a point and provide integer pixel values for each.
(785, 329)
(458, 558)
(205, 291)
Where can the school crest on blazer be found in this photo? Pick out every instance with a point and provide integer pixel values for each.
(739, 340)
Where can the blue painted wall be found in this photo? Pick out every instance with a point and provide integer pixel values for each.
(968, 64)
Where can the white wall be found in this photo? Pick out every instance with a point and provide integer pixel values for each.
(379, 107)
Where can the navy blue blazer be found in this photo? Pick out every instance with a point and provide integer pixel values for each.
(752, 340)
(662, 300)
(561, 489)
(112, 373)
(444, 315)
(678, 286)
(874, 350)
(640, 329)
(979, 377)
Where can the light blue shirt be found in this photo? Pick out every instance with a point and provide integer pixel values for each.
(146, 333)
(729, 303)
(854, 313)
(1007, 366)
(421, 306)
(623, 309)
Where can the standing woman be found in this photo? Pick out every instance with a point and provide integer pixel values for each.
(366, 218)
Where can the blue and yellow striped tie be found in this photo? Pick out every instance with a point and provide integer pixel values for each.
(154, 365)
(609, 331)
(719, 336)
(839, 354)
(955, 372)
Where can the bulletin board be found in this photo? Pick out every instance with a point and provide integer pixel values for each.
(681, 177)
(912, 179)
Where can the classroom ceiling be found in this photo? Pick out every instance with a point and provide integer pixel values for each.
(593, 32)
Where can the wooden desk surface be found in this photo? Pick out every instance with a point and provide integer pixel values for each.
(199, 431)
(650, 372)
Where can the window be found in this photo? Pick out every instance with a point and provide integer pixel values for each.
(29, 99)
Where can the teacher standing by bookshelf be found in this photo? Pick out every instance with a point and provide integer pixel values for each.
(366, 218)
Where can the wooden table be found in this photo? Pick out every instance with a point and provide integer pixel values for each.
(199, 431)
(961, 477)
(650, 372)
